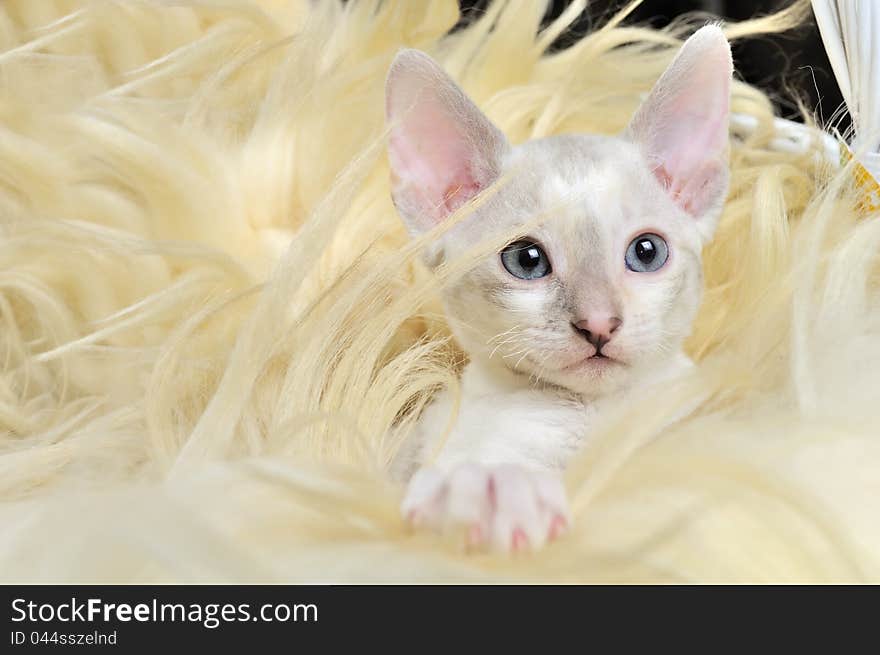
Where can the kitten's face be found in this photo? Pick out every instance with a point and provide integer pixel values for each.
(604, 279)
(529, 306)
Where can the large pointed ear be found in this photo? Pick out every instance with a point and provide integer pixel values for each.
(443, 151)
(682, 127)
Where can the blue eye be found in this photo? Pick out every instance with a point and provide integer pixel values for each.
(646, 253)
(526, 260)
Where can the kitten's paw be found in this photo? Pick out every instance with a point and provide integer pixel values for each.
(506, 507)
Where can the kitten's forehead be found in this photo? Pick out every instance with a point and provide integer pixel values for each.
(591, 188)
(600, 176)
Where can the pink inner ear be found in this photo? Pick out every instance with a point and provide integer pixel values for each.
(443, 151)
(435, 158)
(693, 193)
(682, 125)
(459, 193)
(689, 143)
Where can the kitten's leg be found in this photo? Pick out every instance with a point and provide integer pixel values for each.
(506, 507)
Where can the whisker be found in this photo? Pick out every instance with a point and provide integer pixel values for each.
(519, 361)
(506, 332)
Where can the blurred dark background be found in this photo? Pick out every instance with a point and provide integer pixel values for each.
(788, 67)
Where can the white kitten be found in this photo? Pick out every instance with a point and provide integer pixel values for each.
(594, 302)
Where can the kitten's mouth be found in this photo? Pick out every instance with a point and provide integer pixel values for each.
(598, 360)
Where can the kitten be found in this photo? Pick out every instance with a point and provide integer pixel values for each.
(596, 300)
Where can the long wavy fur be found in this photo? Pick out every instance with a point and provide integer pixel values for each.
(214, 332)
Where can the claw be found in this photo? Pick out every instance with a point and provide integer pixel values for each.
(558, 527)
(519, 540)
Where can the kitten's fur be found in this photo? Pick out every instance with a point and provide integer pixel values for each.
(531, 389)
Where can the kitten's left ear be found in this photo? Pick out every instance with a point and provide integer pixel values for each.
(682, 126)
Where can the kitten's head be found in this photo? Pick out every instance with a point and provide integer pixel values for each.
(602, 277)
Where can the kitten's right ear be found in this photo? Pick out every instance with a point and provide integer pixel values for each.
(683, 126)
(442, 149)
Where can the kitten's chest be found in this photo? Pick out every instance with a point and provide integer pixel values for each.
(531, 427)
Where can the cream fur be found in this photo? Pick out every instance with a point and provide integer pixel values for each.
(215, 332)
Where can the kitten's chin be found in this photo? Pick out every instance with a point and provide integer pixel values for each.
(591, 376)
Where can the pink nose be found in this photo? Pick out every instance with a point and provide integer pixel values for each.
(598, 329)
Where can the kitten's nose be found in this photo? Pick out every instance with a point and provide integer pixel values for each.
(598, 329)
